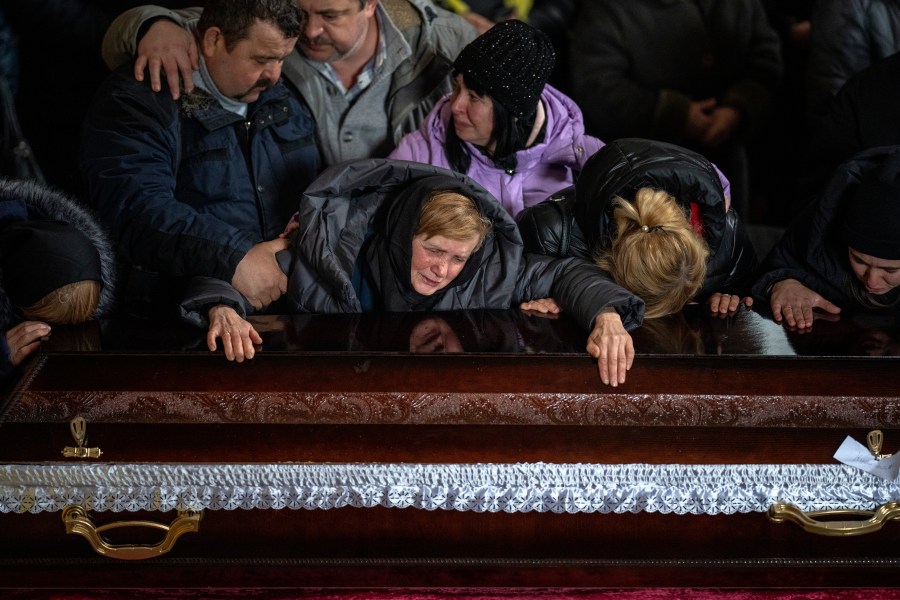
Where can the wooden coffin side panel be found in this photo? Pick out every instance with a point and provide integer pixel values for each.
(458, 389)
(388, 547)
(450, 409)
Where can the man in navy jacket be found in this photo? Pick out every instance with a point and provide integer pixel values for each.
(204, 184)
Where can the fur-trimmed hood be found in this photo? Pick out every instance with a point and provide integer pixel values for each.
(43, 203)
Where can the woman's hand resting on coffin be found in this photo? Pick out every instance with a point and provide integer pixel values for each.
(793, 304)
(727, 304)
(544, 306)
(237, 335)
(612, 346)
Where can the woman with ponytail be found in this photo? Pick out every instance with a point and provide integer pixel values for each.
(656, 253)
(658, 218)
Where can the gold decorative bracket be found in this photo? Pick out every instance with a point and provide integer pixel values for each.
(874, 440)
(78, 427)
(834, 522)
(77, 522)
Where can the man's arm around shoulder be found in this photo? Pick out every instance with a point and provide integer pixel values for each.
(122, 38)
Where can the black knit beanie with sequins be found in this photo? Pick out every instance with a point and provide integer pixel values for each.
(511, 61)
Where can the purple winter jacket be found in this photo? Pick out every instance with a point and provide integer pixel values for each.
(543, 169)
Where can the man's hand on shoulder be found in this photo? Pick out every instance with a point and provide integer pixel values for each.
(167, 48)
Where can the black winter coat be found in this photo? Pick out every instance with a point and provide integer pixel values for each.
(186, 187)
(637, 64)
(579, 221)
(847, 36)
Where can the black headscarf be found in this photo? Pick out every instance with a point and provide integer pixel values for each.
(389, 252)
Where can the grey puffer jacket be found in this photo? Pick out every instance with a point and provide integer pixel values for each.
(420, 60)
(356, 223)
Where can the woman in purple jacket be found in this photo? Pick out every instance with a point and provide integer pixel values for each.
(502, 125)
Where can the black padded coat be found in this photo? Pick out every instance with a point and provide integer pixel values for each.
(579, 221)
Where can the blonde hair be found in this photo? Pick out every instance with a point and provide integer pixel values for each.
(656, 253)
(453, 216)
(67, 305)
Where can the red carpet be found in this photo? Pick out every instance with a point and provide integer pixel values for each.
(456, 594)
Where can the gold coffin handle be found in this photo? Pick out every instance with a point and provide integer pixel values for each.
(869, 521)
(77, 522)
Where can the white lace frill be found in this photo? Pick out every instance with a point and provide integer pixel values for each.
(541, 487)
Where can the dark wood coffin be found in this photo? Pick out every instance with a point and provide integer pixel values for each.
(341, 457)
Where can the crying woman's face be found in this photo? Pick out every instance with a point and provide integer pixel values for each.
(437, 260)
